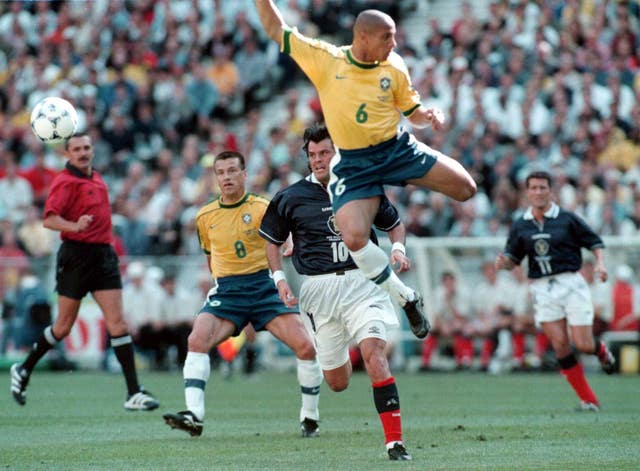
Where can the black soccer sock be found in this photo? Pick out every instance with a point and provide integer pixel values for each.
(123, 348)
(251, 356)
(45, 343)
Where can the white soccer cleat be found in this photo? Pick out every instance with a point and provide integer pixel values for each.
(142, 400)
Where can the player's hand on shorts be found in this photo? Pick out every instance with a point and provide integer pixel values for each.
(286, 295)
(83, 222)
(399, 261)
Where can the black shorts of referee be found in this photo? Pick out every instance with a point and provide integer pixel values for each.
(83, 267)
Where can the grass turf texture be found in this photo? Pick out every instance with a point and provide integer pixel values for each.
(451, 421)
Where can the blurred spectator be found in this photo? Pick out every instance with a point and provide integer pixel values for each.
(37, 241)
(16, 194)
(142, 301)
(450, 319)
(202, 94)
(626, 301)
(39, 176)
(179, 311)
(493, 307)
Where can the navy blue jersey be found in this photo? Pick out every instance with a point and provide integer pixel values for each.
(552, 246)
(304, 210)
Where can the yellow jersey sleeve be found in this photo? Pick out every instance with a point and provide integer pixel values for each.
(229, 235)
(362, 103)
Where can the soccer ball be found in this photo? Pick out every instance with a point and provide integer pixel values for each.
(53, 120)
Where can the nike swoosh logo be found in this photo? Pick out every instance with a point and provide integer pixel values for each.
(340, 77)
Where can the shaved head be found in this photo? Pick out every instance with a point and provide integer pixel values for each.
(371, 20)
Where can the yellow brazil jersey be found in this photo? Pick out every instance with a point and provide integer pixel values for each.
(361, 102)
(229, 234)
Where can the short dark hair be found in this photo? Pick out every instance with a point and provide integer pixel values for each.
(316, 133)
(74, 135)
(230, 154)
(539, 174)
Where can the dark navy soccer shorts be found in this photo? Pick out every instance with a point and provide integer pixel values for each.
(361, 173)
(244, 299)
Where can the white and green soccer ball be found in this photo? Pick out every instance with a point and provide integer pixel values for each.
(53, 120)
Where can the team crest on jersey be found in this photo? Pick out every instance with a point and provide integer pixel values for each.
(333, 227)
(541, 247)
(385, 83)
(246, 218)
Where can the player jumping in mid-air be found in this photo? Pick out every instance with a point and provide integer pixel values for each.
(364, 88)
(336, 300)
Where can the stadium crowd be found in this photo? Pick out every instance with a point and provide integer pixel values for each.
(163, 86)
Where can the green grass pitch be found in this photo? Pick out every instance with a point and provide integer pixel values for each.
(459, 421)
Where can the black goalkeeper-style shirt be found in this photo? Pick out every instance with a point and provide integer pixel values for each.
(552, 246)
(304, 210)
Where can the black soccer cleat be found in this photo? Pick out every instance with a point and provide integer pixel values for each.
(185, 420)
(607, 360)
(418, 322)
(309, 428)
(19, 382)
(399, 453)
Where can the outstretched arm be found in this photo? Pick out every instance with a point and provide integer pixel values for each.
(271, 19)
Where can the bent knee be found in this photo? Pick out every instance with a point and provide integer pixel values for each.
(305, 351)
(338, 385)
(355, 241)
(465, 190)
(196, 343)
(585, 347)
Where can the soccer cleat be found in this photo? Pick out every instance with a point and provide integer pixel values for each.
(185, 420)
(309, 428)
(415, 314)
(399, 453)
(587, 407)
(142, 400)
(19, 382)
(607, 360)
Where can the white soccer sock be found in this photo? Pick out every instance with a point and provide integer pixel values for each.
(374, 264)
(196, 373)
(310, 378)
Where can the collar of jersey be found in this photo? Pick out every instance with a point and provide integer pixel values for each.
(362, 65)
(76, 171)
(234, 205)
(312, 178)
(551, 213)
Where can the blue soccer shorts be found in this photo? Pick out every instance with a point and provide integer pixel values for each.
(244, 299)
(361, 173)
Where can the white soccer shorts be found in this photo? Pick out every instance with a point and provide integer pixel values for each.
(341, 309)
(562, 296)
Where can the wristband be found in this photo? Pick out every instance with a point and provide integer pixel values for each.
(399, 246)
(278, 276)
